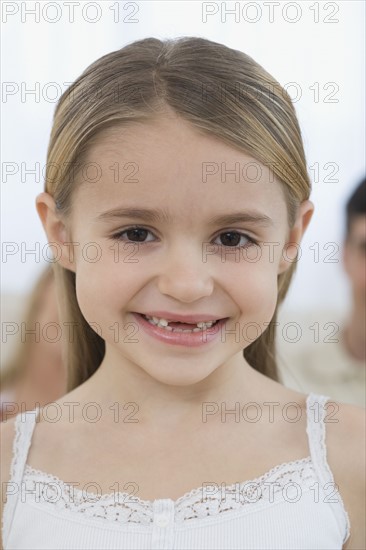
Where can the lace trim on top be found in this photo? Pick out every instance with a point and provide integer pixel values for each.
(199, 503)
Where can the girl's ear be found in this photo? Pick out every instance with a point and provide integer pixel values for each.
(292, 245)
(56, 231)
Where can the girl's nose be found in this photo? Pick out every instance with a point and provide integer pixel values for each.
(185, 277)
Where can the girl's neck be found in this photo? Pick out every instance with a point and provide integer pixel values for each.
(164, 405)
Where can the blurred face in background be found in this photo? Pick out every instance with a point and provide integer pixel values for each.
(354, 258)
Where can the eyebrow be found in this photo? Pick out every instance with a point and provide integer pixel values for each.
(162, 216)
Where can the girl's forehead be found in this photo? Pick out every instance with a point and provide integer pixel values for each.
(181, 203)
(170, 162)
(156, 139)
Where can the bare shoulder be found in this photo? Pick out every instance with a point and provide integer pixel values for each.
(7, 434)
(346, 457)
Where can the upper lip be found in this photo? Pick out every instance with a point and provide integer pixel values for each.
(183, 318)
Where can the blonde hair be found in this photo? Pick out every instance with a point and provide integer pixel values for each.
(220, 91)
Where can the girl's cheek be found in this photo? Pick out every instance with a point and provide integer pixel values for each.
(254, 293)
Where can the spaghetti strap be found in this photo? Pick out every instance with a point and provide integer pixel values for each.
(24, 425)
(316, 431)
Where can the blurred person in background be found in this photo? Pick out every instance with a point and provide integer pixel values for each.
(34, 372)
(338, 368)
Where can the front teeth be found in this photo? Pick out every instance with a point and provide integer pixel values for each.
(163, 323)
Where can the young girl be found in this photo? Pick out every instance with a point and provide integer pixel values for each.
(176, 199)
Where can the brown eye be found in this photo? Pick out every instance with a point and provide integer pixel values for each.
(133, 234)
(232, 239)
(137, 234)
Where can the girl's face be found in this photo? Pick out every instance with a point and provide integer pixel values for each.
(185, 262)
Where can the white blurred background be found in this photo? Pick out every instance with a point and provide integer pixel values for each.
(315, 49)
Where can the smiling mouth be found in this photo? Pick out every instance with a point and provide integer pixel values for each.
(175, 326)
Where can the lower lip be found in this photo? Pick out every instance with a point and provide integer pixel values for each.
(189, 339)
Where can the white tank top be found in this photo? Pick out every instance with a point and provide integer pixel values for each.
(295, 505)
